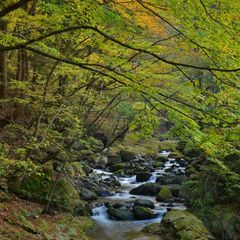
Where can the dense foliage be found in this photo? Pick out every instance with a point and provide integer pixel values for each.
(73, 72)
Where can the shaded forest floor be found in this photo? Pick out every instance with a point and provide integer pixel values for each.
(21, 219)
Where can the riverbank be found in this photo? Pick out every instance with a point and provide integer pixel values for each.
(24, 220)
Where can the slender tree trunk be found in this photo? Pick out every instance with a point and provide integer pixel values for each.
(3, 66)
(23, 66)
(62, 88)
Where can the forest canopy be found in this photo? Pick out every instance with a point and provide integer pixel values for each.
(77, 76)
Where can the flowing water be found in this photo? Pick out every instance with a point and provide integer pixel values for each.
(107, 229)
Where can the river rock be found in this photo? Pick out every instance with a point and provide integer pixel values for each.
(87, 169)
(143, 213)
(148, 189)
(143, 176)
(120, 214)
(88, 195)
(181, 162)
(165, 195)
(144, 203)
(117, 167)
(180, 225)
(104, 193)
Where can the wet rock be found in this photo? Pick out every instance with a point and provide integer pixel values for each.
(186, 226)
(164, 195)
(120, 214)
(112, 181)
(119, 173)
(143, 176)
(88, 195)
(104, 193)
(144, 203)
(148, 189)
(117, 167)
(143, 213)
(170, 169)
(87, 169)
(180, 225)
(181, 162)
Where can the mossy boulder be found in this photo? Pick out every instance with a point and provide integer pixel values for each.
(123, 214)
(164, 195)
(44, 186)
(144, 203)
(186, 226)
(117, 167)
(66, 198)
(143, 213)
(180, 225)
(223, 221)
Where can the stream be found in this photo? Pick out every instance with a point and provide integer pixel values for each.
(107, 229)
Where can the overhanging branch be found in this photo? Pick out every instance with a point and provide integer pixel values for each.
(123, 44)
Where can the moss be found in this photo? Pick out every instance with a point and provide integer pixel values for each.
(148, 146)
(117, 167)
(186, 225)
(66, 198)
(38, 187)
(223, 221)
(168, 145)
(164, 194)
(176, 155)
(78, 169)
(25, 221)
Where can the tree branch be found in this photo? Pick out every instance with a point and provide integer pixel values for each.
(123, 44)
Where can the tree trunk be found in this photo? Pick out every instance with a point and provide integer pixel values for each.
(23, 66)
(3, 67)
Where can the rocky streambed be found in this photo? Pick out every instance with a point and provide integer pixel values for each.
(146, 189)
